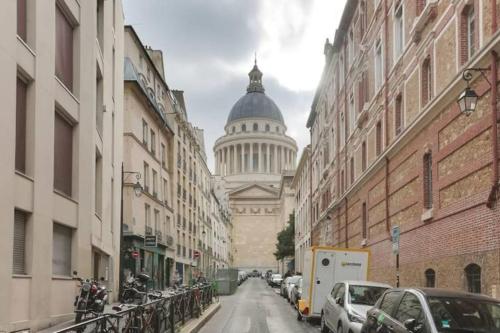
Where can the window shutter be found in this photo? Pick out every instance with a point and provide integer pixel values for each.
(18, 263)
(61, 252)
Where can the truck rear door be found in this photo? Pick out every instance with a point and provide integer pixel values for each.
(323, 279)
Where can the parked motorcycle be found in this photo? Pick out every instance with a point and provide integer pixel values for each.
(91, 300)
(135, 290)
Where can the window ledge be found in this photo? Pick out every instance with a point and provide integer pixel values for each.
(62, 277)
(65, 196)
(21, 174)
(362, 116)
(427, 215)
(21, 276)
(428, 13)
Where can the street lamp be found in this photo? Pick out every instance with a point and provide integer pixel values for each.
(138, 192)
(467, 101)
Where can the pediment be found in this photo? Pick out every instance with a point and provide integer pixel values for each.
(254, 192)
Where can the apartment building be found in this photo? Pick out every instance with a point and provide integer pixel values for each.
(61, 154)
(148, 145)
(302, 202)
(390, 146)
(221, 240)
(286, 197)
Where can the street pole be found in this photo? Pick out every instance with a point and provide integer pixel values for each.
(397, 270)
(121, 240)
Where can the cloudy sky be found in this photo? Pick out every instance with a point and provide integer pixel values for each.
(209, 47)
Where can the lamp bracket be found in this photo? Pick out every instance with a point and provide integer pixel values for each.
(467, 74)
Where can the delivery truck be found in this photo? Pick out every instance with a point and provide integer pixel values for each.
(323, 267)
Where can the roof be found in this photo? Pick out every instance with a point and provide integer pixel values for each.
(255, 105)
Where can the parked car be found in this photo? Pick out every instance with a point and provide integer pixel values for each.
(292, 281)
(276, 280)
(241, 277)
(283, 286)
(296, 293)
(430, 310)
(346, 306)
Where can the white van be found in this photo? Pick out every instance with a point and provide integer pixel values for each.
(323, 267)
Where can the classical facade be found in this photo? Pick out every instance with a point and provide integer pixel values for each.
(61, 125)
(250, 158)
(301, 185)
(391, 148)
(148, 144)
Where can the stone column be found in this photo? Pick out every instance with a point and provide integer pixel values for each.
(234, 159)
(251, 157)
(275, 159)
(268, 159)
(260, 158)
(242, 152)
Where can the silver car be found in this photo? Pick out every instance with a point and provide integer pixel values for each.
(346, 306)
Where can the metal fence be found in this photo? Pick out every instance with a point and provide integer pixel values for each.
(161, 315)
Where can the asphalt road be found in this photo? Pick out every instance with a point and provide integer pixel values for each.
(256, 308)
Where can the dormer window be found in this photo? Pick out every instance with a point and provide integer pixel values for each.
(255, 127)
(243, 128)
(267, 128)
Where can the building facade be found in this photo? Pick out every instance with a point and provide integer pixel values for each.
(61, 155)
(302, 188)
(148, 141)
(250, 158)
(390, 147)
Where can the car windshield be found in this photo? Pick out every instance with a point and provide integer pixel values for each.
(293, 279)
(465, 315)
(365, 295)
(276, 276)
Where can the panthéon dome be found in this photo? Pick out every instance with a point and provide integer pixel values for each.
(255, 103)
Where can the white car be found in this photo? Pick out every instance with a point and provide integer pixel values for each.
(276, 280)
(346, 306)
(292, 281)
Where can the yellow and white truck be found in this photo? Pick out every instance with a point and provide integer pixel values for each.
(323, 267)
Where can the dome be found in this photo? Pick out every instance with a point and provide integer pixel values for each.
(255, 105)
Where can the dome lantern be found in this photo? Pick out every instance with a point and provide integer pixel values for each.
(255, 76)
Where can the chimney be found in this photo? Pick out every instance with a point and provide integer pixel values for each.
(157, 58)
(179, 96)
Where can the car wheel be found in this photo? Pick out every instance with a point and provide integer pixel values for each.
(324, 328)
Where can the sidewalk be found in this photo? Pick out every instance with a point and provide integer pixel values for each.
(194, 325)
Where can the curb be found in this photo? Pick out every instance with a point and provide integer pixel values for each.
(197, 324)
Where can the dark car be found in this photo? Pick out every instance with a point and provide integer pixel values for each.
(429, 310)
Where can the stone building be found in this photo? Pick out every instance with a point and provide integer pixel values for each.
(302, 189)
(148, 144)
(390, 146)
(61, 64)
(249, 160)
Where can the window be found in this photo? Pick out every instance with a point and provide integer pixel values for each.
(352, 170)
(427, 180)
(342, 181)
(362, 91)
(342, 129)
(352, 114)
(21, 125)
(63, 155)
(430, 278)
(165, 191)
(21, 19)
(233, 129)
(19, 248)
(426, 81)
(255, 127)
(467, 33)
(473, 276)
(277, 129)
(364, 219)
(155, 192)
(398, 30)
(144, 132)
(61, 250)
(64, 49)
(98, 185)
(163, 156)
(390, 301)
(363, 156)
(153, 143)
(147, 218)
(146, 177)
(243, 128)
(157, 220)
(378, 65)
(99, 103)
(409, 308)
(420, 6)
(378, 138)
(398, 115)
(100, 23)
(267, 128)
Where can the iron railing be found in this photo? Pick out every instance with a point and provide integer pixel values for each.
(165, 314)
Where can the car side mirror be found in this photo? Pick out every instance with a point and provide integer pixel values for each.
(412, 325)
(339, 301)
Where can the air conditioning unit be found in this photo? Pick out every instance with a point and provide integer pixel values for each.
(363, 242)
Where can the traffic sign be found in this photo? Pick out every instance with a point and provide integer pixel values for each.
(395, 239)
(196, 254)
(150, 241)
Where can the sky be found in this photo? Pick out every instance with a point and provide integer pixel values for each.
(209, 48)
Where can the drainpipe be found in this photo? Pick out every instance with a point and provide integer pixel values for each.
(492, 198)
(346, 224)
(387, 223)
(310, 190)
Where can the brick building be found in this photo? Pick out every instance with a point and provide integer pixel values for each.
(389, 145)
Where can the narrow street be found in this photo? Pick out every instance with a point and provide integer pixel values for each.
(256, 308)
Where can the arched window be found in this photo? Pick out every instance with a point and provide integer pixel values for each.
(430, 278)
(255, 127)
(267, 128)
(473, 276)
(233, 129)
(427, 180)
(243, 128)
(277, 129)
